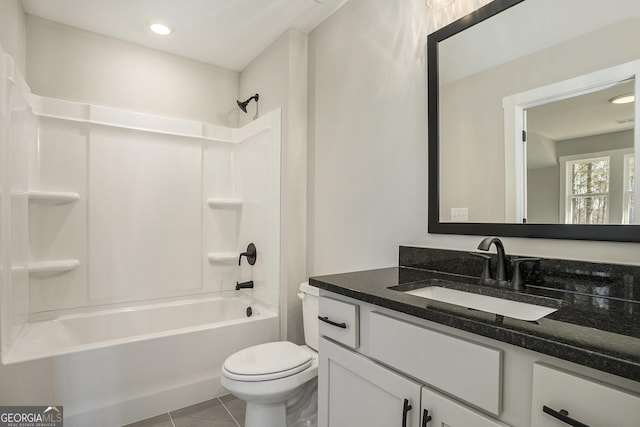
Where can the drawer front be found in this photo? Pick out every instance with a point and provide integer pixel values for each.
(339, 321)
(584, 400)
(446, 412)
(466, 370)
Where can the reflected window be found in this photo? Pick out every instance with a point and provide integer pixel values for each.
(588, 191)
(629, 173)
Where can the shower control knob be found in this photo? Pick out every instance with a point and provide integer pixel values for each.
(251, 254)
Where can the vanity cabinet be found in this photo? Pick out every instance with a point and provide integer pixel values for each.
(354, 391)
(384, 358)
(561, 398)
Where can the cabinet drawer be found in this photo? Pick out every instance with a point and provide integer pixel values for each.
(586, 401)
(446, 412)
(466, 370)
(339, 321)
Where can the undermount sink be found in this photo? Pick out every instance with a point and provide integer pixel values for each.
(504, 307)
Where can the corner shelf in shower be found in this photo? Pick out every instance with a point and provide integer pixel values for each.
(52, 197)
(223, 257)
(218, 203)
(46, 268)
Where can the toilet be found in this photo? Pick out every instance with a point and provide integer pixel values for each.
(278, 380)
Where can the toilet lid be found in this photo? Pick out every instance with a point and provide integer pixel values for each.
(267, 361)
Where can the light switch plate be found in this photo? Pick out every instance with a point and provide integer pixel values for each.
(459, 214)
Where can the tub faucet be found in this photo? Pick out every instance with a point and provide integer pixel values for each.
(244, 285)
(501, 267)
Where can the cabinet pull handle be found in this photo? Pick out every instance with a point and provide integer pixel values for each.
(405, 409)
(563, 415)
(425, 418)
(326, 320)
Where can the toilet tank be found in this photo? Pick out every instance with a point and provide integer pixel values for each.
(309, 296)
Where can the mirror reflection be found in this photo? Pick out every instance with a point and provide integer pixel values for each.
(580, 158)
(580, 150)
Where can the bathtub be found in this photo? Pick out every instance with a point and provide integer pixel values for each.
(116, 365)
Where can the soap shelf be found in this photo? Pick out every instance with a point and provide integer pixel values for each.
(217, 203)
(52, 197)
(223, 257)
(46, 268)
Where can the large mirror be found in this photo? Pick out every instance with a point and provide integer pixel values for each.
(532, 121)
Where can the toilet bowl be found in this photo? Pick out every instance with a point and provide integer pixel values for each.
(278, 380)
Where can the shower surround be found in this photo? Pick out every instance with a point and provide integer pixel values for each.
(105, 213)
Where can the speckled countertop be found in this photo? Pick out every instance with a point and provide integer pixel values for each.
(597, 323)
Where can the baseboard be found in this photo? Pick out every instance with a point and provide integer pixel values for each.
(147, 406)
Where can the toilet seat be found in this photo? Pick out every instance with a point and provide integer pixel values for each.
(268, 361)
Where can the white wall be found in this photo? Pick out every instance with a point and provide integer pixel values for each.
(368, 143)
(77, 65)
(279, 75)
(13, 34)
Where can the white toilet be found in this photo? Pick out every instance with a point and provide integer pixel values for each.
(278, 380)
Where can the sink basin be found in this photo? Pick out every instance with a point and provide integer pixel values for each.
(504, 307)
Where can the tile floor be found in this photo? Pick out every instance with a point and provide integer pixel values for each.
(226, 411)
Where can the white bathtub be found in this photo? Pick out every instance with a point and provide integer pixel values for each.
(109, 367)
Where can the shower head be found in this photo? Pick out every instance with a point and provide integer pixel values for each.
(243, 105)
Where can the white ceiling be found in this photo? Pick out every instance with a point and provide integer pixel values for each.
(507, 36)
(226, 33)
(576, 117)
(584, 115)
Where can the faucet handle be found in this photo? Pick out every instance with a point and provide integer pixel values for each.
(486, 270)
(251, 254)
(517, 281)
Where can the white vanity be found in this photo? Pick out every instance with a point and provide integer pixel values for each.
(386, 368)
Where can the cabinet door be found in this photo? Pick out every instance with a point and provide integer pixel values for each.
(446, 412)
(353, 391)
(557, 394)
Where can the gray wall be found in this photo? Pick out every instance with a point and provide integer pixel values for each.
(77, 65)
(543, 195)
(367, 143)
(279, 75)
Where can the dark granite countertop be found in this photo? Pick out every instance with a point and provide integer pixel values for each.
(599, 332)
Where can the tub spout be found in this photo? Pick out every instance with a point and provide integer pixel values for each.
(244, 285)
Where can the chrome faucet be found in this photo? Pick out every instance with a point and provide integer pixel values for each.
(501, 267)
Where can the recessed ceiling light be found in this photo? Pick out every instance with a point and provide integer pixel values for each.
(160, 29)
(623, 99)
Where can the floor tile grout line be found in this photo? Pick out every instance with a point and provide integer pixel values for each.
(229, 412)
(171, 419)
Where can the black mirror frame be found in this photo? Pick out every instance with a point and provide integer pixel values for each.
(614, 233)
